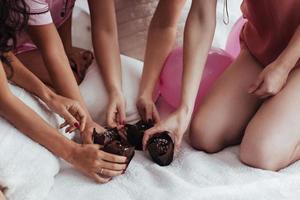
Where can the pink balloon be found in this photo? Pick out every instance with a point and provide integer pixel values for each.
(170, 80)
(233, 46)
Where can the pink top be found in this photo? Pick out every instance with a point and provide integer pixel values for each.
(271, 25)
(44, 12)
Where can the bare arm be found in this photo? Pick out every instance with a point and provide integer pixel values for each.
(198, 36)
(107, 53)
(86, 158)
(161, 40)
(16, 112)
(105, 42)
(291, 54)
(68, 109)
(48, 41)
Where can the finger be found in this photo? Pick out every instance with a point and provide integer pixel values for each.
(111, 116)
(69, 129)
(256, 85)
(122, 115)
(63, 125)
(113, 166)
(70, 119)
(155, 115)
(148, 134)
(142, 112)
(111, 157)
(262, 91)
(109, 173)
(99, 179)
(82, 118)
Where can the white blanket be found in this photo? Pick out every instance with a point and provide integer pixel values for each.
(192, 175)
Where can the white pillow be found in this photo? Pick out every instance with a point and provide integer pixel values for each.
(95, 95)
(27, 169)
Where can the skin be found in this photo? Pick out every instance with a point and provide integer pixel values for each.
(259, 110)
(198, 37)
(160, 42)
(50, 63)
(86, 158)
(107, 54)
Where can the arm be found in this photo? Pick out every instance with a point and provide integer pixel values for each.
(48, 41)
(107, 53)
(198, 36)
(87, 158)
(161, 39)
(68, 109)
(274, 76)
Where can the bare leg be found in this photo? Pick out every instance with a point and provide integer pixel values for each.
(272, 137)
(227, 108)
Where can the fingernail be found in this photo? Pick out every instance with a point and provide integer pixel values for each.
(76, 124)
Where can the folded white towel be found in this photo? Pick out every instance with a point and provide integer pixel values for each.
(27, 169)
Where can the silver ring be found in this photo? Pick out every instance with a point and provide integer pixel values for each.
(101, 171)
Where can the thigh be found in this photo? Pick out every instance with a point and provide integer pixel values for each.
(34, 62)
(272, 137)
(228, 107)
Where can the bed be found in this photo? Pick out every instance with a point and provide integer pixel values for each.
(193, 174)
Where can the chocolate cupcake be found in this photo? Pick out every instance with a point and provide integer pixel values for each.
(161, 148)
(121, 148)
(106, 137)
(135, 133)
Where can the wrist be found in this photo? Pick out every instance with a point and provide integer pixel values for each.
(185, 110)
(285, 63)
(70, 152)
(46, 95)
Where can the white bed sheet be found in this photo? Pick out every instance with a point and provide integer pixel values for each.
(192, 175)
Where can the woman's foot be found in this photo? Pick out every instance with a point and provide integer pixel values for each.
(80, 60)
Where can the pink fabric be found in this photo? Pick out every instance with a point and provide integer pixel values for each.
(271, 25)
(44, 12)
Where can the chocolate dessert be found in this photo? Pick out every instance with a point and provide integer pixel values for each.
(120, 147)
(161, 148)
(105, 137)
(135, 133)
(113, 143)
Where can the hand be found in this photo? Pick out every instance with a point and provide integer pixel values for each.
(270, 81)
(97, 164)
(70, 110)
(147, 109)
(87, 133)
(176, 124)
(116, 115)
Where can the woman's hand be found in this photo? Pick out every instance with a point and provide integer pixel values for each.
(116, 115)
(176, 124)
(147, 109)
(270, 81)
(97, 164)
(87, 133)
(74, 115)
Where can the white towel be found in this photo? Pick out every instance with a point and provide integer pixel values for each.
(26, 168)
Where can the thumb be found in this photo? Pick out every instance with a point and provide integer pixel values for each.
(122, 114)
(111, 115)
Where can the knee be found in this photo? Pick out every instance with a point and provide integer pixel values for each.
(259, 154)
(204, 137)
